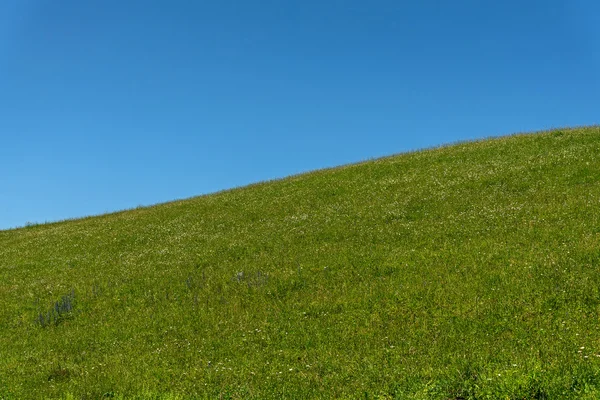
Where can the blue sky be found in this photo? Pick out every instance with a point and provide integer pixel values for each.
(107, 104)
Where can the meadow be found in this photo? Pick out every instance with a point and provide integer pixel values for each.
(469, 271)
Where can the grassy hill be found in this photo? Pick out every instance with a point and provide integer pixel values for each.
(467, 271)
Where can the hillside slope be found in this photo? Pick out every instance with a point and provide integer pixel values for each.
(460, 272)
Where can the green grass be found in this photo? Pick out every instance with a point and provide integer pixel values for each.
(464, 272)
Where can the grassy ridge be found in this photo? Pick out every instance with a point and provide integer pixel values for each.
(468, 271)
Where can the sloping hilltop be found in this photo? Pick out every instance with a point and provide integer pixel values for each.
(467, 271)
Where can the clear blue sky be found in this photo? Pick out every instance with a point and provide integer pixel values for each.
(107, 104)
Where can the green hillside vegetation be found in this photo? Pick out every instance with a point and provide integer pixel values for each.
(464, 272)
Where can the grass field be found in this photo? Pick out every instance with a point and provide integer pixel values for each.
(464, 272)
